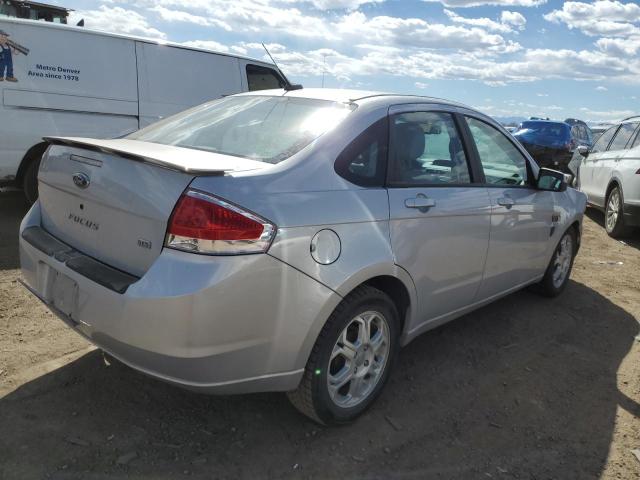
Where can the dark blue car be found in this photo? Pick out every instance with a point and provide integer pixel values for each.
(552, 143)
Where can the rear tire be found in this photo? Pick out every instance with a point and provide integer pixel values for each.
(558, 271)
(350, 362)
(614, 214)
(30, 181)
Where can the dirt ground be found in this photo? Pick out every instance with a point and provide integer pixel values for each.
(526, 388)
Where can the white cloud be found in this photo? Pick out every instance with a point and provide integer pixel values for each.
(620, 46)
(499, 3)
(611, 115)
(341, 4)
(508, 20)
(513, 18)
(600, 88)
(207, 45)
(181, 16)
(415, 32)
(248, 16)
(421, 85)
(355, 44)
(116, 20)
(603, 17)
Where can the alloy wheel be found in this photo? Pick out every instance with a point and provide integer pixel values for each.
(358, 359)
(562, 261)
(613, 210)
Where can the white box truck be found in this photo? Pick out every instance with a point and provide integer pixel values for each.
(58, 80)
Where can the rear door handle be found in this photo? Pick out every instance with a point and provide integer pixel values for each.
(506, 202)
(420, 202)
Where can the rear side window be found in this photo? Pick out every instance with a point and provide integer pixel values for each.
(623, 136)
(364, 160)
(502, 162)
(602, 142)
(263, 78)
(576, 133)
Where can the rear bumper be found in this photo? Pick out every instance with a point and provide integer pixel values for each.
(215, 324)
(549, 157)
(632, 214)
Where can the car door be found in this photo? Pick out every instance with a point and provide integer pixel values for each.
(619, 145)
(439, 218)
(521, 216)
(593, 162)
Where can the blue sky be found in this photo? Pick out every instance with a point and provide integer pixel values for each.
(506, 57)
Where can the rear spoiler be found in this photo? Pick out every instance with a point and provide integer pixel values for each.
(191, 161)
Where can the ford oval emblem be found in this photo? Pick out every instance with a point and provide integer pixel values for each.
(81, 180)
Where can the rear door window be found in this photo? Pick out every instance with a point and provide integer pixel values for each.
(263, 78)
(602, 142)
(425, 150)
(623, 136)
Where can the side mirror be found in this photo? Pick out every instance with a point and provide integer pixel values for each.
(551, 180)
(583, 150)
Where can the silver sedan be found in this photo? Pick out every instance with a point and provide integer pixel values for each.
(292, 240)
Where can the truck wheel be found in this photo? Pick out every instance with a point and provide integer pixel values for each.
(613, 214)
(557, 274)
(351, 359)
(30, 181)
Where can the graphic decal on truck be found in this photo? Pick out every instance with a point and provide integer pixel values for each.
(7, 49)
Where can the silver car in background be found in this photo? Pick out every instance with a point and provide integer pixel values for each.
(292, 241)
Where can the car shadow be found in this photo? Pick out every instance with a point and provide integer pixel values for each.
(525, 387)
(13, 207)
(633, 239)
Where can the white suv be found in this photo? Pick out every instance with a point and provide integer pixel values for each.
(610, 176)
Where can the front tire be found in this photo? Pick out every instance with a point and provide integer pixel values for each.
(351, 359)
(613, 214)
(558, 272)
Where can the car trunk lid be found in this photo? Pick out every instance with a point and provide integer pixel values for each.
(111, 199)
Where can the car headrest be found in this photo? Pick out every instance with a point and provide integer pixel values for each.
(455, 146)
(409, 141)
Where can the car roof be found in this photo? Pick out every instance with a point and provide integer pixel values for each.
(633, 118)
(551, 122)
(343, 95)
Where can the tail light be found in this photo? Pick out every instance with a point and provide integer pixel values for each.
(202, 223)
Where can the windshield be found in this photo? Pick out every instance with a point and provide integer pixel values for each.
(267, 129)
(547, 129)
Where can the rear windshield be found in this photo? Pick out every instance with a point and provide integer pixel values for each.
(267, 129)
(547, 129)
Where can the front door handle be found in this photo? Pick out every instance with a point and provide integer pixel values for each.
(506, 202)
(420, 202)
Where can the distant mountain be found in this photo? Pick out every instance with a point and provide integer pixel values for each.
(510, 120)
